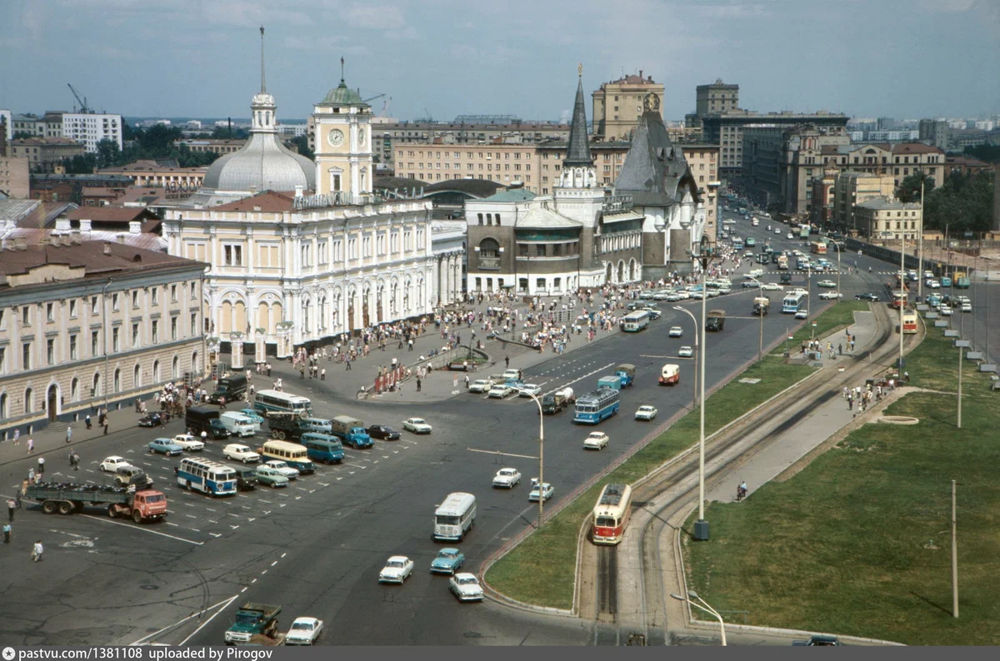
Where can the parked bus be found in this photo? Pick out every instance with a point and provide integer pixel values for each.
(206, 476)
(611, 514)
(268, 401)
(635, 321)
(596, 406)
(909, 322)
(898, 299)
(817, 248)
(293, 454)
(793, 302)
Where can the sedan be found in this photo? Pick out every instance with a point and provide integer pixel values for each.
(829, 296)
(448, 561)
(480, 386)
(416, 425)
(465, 587)
(932, 284)
(500, 391)
(868, 296)
(304, 631)
(397, 569)
(239, 452)
(283, 468)
(529, 389)
(384, 433)
(595, 440)
(545, 493)
(777, 230)
(676, 331)
(189, 442)
(802, 314)
(111, 464)
(645, 412)
(257, 419)
(945, 310)
(789, 236)
(826, 284)
(151, 420)
(966, 307)
(507, 478)
(772, 286)
(654, 313)
(685, 352)
(270, 477)
(662, 295)
(165, 446)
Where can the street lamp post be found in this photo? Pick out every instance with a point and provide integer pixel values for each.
(694, 320)
(703, 252)
(839, 250)
(760, 343)
(541, 456)
(920, 247)
(708, 609)
(902, 304)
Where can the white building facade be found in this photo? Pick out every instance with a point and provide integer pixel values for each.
(89, 129)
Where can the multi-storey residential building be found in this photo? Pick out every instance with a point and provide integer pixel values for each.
(821, 210)
(44, 154)
(7, 120)
(703, 162)
(897, 160)
(935, 132)
(716, 98)
(47, 126)
(618, 105)
(15, 180)
(853, 188)
(92, 128)
(85, 325)
(888, 218)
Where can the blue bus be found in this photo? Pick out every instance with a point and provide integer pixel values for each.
(737, 243)
(596, 406)
(206, 476)
(793, 301)
(635, 321)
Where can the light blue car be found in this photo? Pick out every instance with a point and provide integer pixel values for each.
(448, 561)
(253, 415)
(165, 446)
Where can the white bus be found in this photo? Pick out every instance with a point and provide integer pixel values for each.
(793, 301)
(611, 514)
(207, 476)
(635, 321)
(268, 401)
(455, 517)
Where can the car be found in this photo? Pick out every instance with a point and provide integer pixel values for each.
(513, 374)
(270, 477)
(966, 307)
(676, 331)
(416, 425)
(165, 446)
(777, 230)
(826, 284)
(507, 478)
(240, 452)
(448, 561)
(647, 295)
(397, 569)
(789, 236)
(595, 440)
(466, 587)
(111, 464)
(131, 475)
(867, 296)
(772, 286)
(945, 310)
(802, 314)
(480, 386)
(655, 313)
(932, 284)
(685, 352)
(253, 415)
(928, 274)
(818, 641)
(829, 296)
(646, 412)
(283, 468)
(663, 295)
(246, 479)
(725, 290)
(711, 293)
(634, 305)
(189, 442)
(384, 433)
(500, 391)
(682, 294)
(151, 420)
(749, 284)
(545, 493)
(963, 299)
(529, 389)
(304, 631)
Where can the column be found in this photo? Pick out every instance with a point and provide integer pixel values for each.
(439, 277)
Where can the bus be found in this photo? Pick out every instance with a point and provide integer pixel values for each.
(898, 299)
(293, 454)
(817, 248)
(737, 243)
(804, 231)
(635, 321)
(274, 401)
(793, 302)
(206, 476)
(611, 514)
(596, 406)
(909, 322)
(751, 242)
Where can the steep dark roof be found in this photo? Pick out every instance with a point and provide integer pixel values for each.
(578, 152)
(475, 187)
(653, 167)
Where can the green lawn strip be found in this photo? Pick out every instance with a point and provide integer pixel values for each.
(839, 315)
(542, 569)
(859, 541)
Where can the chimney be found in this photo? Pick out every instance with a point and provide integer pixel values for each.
(120, 237)
(134, 227)
(62, 225)
(298, 190)
(640, 74)
(85, 226)
(75, 238)
(107, 248)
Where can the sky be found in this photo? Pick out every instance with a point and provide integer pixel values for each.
(442, 58)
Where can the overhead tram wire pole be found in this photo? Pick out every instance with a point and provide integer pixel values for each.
(708, 609)
(696, 359)
(703, 252)
(902, 295)
(920, 245)
(541, 455)
(760, 343)
(839, 250)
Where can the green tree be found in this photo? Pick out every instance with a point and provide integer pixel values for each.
(963, 203)
(84, 164)
(909, 188)
(302, 142)
(108, 154)
(223, 133)
(988, 153)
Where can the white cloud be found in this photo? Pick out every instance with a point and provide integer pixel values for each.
(374, 17)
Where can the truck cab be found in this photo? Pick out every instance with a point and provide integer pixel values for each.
(716, 321)
(626, 372)
(253, 619)
(351, 431)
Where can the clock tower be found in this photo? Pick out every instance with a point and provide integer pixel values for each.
(342, 125)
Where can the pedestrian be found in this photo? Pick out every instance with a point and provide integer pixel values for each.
(222, 403)
(36, 551)
(322, 374)
(506, 361)
(6, 533)
(69, 434)
(348, 363)
(76, 461)
(840, 349)
(269, 369)
(17, 436)
(466, 381)
(87, 421)
(41, 465)
(418, 384)
(106, 424)
(11, 506)
(31, 445)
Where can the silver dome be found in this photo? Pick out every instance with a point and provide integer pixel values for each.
(262, 164)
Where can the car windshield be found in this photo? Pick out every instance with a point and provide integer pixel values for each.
(395, 563)
(417, 421)
(302, 626)
(466, 580)
(447, 520)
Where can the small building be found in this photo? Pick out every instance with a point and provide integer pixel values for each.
(888, 219)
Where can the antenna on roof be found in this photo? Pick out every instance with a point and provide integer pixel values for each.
(341, 69)
(263, 88)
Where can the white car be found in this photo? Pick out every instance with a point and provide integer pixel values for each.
(507, 478)
(111, 464)
(676, 331)
(829, 295)
(545, 493)
(595, 440)
(945, 310)
(802, 314)
(189, 442)
(304, 631)
(529, 389)
(500, 391)
(771, 286)
(240, 452)
(480, 385)
(512, 373)
(777, 230)
(397, 569)
(685, 352)
(966, 307)
(933, 284)
(826, 284)
(283, 468)
(646, 412)
(416, 425)
(683, 294)
(466, 587)
(789, 236)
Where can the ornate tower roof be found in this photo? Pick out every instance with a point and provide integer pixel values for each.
(654, 167)
(342, 95)
(578, 152)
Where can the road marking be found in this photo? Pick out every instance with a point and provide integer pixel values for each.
(191, 516)
(146, 530)
(578, 379)
(503, 454)
(182, 621)
(171, 524)
(215, 534)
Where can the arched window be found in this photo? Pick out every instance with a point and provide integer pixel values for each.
(489, 248)
(118, 381)
(156, 371)
(498, 219)
(74, 390)
(175, 368)
(29, 400)
(95, 388)
(3, 405)
(194, 363)
(136, 376)
(489, 219)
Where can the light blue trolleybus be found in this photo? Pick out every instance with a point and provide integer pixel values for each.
(207, 476)
(596, 406)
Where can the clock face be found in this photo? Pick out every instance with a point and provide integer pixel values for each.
(335, 138)
(361, 136)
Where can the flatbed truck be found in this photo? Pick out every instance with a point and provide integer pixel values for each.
(140, 506)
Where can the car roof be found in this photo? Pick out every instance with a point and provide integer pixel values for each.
(448, 550)
(465, 575)
(311, 620)
(400, 558)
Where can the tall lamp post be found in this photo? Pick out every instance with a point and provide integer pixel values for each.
(708, 609)
(703, 252)
(541, 455)
(760, 344)
(694, 320)
(920, 245)
(840, 249)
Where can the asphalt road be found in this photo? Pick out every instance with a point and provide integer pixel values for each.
(316, 547)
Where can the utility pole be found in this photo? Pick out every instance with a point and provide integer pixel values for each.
(954, 552)
(961, 354)
(920, 246)
(902, 297)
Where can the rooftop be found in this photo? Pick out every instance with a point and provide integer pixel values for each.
(543, 218)
(97, 258)
(512, 195)
(266, 202)
(887, 204)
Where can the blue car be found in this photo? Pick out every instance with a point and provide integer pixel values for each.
(165, 446)
(448, 561)
(253, 415)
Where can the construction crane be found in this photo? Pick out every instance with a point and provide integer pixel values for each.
(377, 96)
(385, 107)
(83, 102)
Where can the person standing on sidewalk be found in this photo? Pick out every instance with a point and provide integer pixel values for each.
(105, 425)
(418, 384)
(322, 374)
(69, 434)
(17, 436)
(41, 466)
(6, 533)
(36, 551)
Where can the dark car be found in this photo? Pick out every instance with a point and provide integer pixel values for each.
(819, 641)
(383, 432)
(151, 420)
(868, 296)
(246, 479)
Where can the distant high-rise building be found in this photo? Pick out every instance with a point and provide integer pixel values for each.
(618, 105)
(91, 128)
(716, 98)
(935, 132)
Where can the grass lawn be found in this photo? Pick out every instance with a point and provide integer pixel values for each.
(859, 541)
(841, 314)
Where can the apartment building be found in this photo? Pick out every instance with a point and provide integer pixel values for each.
(888, 219)
(44, 154)
(91, 128)
(703, 163)
(618, 105)
(853, 188)
(15, 178)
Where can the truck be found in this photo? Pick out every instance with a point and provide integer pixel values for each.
(206, 419)
(716, 320)
(782, 262)
(557, 401)
(786, 278)
(613, 382)
(961, 280)
(351, 431)
(626, 371)
(253, 620)
(761, 306)
(231, 387)
(145, 505)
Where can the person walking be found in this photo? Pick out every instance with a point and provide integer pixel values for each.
(17, 436)
(41, 465)
(418, 384)
(69, 434)
(348, 363)
(222, 403)
(322, 374)
(506, 362)
(87, 421)
(11, 507)
(6, 533)
(466, 381)
(36, 551)
(106, 421)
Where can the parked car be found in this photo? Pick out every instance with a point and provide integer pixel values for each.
(867, 296)
(819, 641)
(397, 569)
(802, 314)
(416, 425)
(595, 440)
(966, 307)
(646, 412)
(448, 561)
(384, 433)
(189, 442)
(240, 452)
(685, 352)
(529, 389)
(270, 477)
(465, 587)
(480, 386)
(304, 631)
(772, 286)
(165, 446)
(789, 236)
(507, 478)
(676, 331)
(111, 464)
(945, 310)
(246, 479)
(283, 468)
(151, 420)
(545, 492)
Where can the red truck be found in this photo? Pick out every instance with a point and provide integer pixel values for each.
(145, 505)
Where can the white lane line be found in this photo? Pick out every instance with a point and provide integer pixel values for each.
(599, 369)
(171, 524)
(205, 623)
(503, 454)
(146, 530)
(182, 621)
